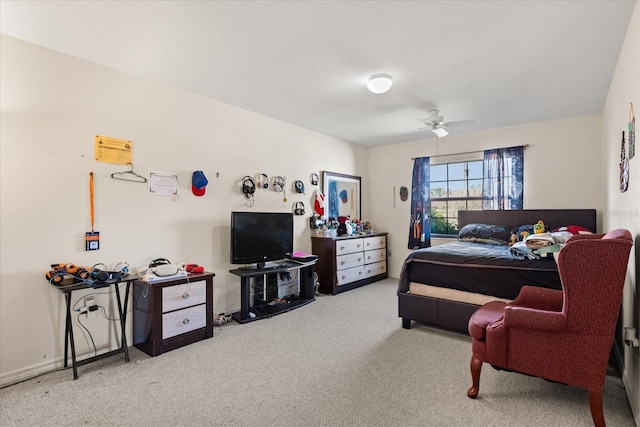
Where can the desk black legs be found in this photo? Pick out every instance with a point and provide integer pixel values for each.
(68, 339)
(69, 342)
(123, 318)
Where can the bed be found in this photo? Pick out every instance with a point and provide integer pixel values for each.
(443, 285)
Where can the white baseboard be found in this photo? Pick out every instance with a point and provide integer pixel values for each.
(33, 371)
(629, 389)
(30, 372)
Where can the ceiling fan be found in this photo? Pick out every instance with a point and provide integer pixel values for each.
(436, 124)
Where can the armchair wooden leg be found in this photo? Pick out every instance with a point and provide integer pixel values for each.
(595, 403)
(476, 367)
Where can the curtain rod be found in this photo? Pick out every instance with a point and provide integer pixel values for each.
(466, 152)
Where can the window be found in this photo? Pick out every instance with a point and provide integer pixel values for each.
(454, 186)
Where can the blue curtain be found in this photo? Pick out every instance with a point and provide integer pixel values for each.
(502, 183)
(420, 223)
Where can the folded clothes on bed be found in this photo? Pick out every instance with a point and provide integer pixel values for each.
(520, 250)
(540, 240)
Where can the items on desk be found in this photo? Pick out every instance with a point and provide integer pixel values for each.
(97, 276)
(161, 269)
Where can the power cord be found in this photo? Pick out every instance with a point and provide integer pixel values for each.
(95, 350)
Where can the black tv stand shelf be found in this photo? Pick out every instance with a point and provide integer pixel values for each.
(261, 308)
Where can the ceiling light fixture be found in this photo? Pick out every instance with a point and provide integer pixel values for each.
(440, 132)
(379, 83)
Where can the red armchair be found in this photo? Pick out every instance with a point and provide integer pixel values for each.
(563, 336)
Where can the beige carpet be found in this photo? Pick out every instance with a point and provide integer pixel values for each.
(340, 361)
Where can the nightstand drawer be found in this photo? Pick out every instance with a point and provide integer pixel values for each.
(179, 322)
(185, 295)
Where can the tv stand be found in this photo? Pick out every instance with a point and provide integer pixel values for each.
(266, 306)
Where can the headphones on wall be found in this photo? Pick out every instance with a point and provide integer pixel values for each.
(263, 181)
(314, 178)
(278, 183)
(248, 186)
(299, 186)
(298, 208)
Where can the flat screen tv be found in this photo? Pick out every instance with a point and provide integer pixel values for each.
(258, 237)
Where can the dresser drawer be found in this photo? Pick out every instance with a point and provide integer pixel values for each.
(348, 246)
(182, 321)
(374, 242)
(375, 269)
(185, 295)
(375, 255)
(349, 260)
(349, 275)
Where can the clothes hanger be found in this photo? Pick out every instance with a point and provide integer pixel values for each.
(129, 175)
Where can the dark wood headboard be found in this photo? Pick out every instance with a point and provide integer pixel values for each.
(551, 217)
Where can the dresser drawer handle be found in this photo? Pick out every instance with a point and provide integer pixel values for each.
(186, 321)
(185, 295)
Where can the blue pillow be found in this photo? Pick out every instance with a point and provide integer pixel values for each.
(485, 233)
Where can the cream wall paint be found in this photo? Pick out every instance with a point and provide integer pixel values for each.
(52, 106)
(562, 169)
(622, 210)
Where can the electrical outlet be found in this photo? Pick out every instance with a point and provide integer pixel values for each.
(88, 302)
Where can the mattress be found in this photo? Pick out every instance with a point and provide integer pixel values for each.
(478, 268)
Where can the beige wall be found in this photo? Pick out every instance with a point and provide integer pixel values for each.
(52, 107)
(562, 169)
(622, 210)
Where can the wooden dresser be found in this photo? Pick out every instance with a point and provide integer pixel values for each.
(172, 313)
(349, 262)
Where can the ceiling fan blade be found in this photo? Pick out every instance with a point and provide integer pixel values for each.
(458, 123)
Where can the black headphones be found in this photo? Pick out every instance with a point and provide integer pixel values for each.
(314, 178)
(278, 183)
(103, 276)
(298, 208)
(248, 186)
(122, 267)
(263, 181)
(299, 186)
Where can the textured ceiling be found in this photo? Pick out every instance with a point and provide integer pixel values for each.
(496, 63)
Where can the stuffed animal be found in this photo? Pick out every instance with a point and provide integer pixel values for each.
(539, 227)
(514, 239)
(342, 227)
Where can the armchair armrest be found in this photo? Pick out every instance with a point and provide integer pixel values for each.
(586, 236)
(533, 318)
(538, 298)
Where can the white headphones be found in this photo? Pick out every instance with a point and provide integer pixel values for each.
(278, 183)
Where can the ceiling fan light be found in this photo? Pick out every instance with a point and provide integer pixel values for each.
(440, 132)
(379, 83)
